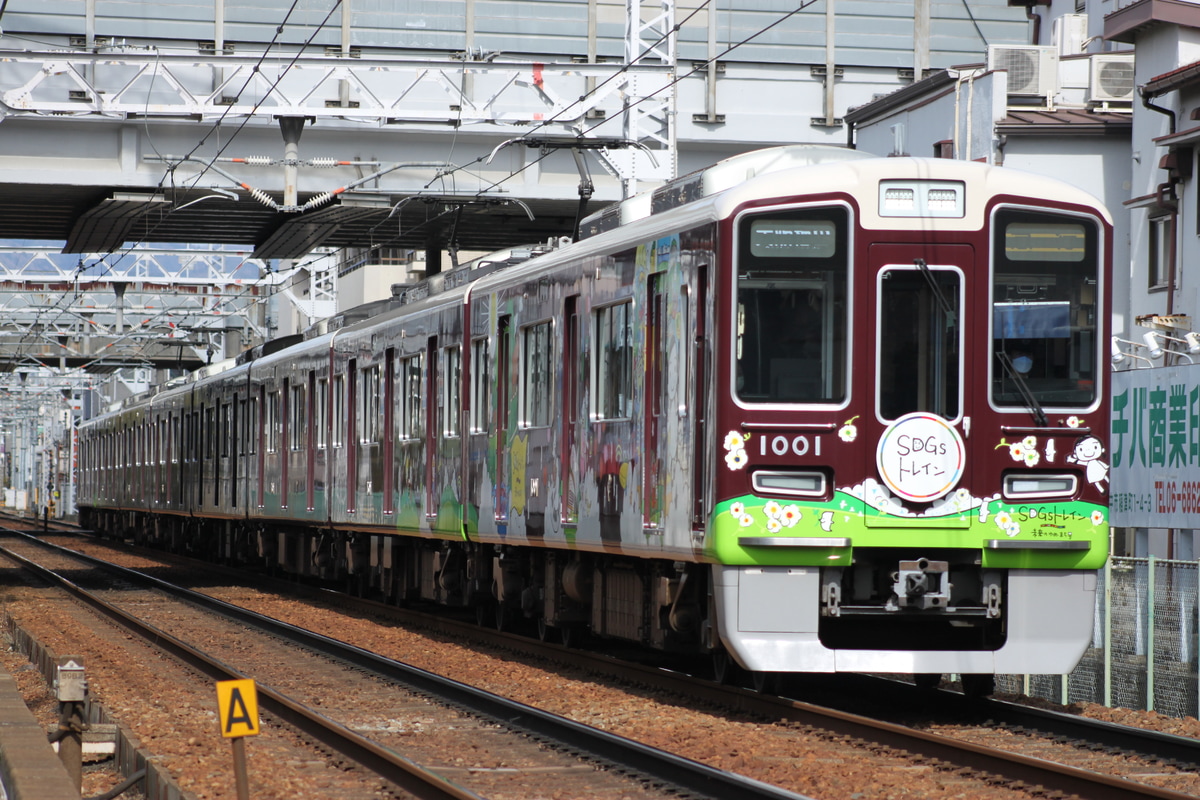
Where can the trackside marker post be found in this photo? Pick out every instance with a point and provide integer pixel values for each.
(237, 704)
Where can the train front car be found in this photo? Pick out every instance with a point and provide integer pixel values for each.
(911, 420)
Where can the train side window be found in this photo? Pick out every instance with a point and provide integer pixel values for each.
(297, 427)
(451, 390)
(480, 380)
(370, 405)
(252, 427)
(273, 422)
(321, 413)
(612, 376)
(410, 393)
(1045, 285)
(338, 427)
(208, 441)
(536, 375)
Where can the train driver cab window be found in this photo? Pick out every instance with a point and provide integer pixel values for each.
(920, 340)
(1045, 281)
(536, 375)
(791, 321)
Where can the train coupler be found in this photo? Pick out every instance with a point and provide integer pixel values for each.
(921, 584)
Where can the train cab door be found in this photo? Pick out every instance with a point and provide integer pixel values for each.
(922, 348)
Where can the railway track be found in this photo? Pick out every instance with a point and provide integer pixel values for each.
(664, 773)
(945, 753)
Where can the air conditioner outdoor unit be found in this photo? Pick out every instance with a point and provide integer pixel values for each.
(1111, 78)
(1032, 69)
(1069, 33)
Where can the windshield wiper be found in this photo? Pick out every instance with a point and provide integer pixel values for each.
(1031, 402)
(927, 274)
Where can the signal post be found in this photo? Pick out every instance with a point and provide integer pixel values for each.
(237, 703)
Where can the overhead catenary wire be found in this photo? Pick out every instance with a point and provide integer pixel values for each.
(452, 170)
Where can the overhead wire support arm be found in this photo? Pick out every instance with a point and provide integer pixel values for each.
(576, 145)
(318, 200)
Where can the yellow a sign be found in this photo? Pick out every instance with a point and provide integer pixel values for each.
(237, 703)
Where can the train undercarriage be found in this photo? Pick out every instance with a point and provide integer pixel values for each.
(657, 604)
(889, 613)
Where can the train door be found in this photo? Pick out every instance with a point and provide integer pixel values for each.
(236, 447)
(921, 394)
(697, 372)
(655, 435)
(570, 417)
(351, 411)
(311, 424)
(433, 432)
(503, 399)
(389, 432)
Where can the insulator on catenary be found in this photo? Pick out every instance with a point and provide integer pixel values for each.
(261, 196)
(258, 161)
(325, 162)
(322, 199)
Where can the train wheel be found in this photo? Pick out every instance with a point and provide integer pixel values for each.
(503, 617)
(764, 682)
(569, 635)
(927, 680)
(545, 630)
(723, 667)
(978, 685)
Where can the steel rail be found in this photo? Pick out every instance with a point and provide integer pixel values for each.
(657, 765)
(387, 764)
(1009, 765)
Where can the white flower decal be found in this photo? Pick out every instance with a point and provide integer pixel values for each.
(1074, 422)
(1030, 442)
(772, 509)
(746, 521)
(790, 515)
(738, 510)
(774, 525)
(735, 445)
(848, 431)
(1017, 451)
(1031, 458)
(1003, 519)
(1097, 517)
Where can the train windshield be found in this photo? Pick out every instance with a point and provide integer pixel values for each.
(920, 340)
(1045, 285)
(791, 307)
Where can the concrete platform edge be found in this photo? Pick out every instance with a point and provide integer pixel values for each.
(130, 758)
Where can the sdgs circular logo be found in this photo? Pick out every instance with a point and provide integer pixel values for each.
(920, 457)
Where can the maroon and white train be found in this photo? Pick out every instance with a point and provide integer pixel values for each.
(810, 409)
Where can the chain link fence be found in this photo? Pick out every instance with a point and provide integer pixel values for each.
(1144, 643)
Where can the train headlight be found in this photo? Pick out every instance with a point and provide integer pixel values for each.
(798, 484)
(922, 199)
(1026, 486)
